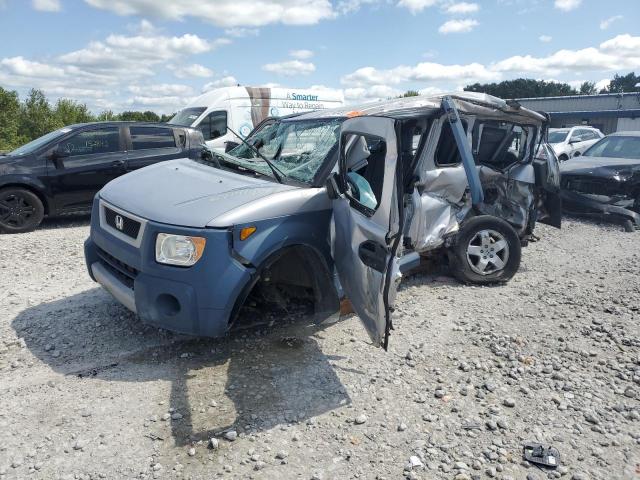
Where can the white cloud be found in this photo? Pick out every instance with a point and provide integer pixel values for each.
(462, 8)
(602, 84)
(22, 67)
(301, 54)
(604, 24)
(422, 72)
(228, 81)
(193, 70)
(226, 13)
(416, 6)
(545, 38)
(619, 54)
(373, 92)
(166, 89)
(47, 5)
(240, 32)
(458, 26)
(567, 5)
(290, 68)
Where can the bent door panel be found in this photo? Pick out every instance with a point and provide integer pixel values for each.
(368, 221)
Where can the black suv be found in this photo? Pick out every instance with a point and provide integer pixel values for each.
(61, 171)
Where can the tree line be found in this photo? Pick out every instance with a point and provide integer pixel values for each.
(24, 120)
(530, 88)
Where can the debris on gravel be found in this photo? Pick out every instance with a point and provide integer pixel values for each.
(472, 373)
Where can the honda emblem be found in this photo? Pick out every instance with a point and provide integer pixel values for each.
(119, 222)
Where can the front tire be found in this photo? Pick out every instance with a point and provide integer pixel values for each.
(563, 157)
(487, 250)
(20, 210)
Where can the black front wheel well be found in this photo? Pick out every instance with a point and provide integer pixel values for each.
(36, 191)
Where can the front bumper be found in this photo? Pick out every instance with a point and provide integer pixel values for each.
(199, 300)
(585, 205)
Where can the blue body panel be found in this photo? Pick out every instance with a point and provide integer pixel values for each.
(208, 291)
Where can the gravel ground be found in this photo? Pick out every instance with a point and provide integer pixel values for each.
(88, 392)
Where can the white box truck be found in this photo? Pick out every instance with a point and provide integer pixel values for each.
(221, 112)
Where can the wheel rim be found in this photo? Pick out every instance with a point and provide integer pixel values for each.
(487, 252)
(15, 210)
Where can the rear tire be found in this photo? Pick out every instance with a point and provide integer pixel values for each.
(20, 210)
(563, 157)
(487, 250)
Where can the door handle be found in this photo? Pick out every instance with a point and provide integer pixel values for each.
(373, 255)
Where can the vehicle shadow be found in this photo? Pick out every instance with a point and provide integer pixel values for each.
(66, 221)
(252, 380)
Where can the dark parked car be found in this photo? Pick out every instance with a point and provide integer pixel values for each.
(605, 181)
(61, 171)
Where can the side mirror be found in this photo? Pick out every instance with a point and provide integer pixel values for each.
(228, 146)
(575, 140)
(58, 155)
(331, 185)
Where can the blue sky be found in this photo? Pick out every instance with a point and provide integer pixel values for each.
(152, 54)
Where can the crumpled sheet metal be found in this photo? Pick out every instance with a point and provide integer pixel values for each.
(446, 183)
(435, 220)
(506, 198)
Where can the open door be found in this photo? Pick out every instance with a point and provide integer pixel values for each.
(368, 217)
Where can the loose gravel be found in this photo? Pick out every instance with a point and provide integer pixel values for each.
(88, 392)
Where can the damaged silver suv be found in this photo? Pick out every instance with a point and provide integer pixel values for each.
(331, 203)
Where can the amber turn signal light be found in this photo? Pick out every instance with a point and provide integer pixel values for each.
(246, 232)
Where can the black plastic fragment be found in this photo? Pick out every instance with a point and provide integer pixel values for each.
(541, 455)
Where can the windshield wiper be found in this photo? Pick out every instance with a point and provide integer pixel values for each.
(277, 173)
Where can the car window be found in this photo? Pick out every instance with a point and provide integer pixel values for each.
(576, 135)
(144, 138)
(616, 147)
(365, 159)
(91, 142)
(186, 117)
(498, 144)
(447, 153)
(214, 125)
(557, 136)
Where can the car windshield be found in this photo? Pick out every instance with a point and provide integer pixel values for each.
(297, 148)
(186, 117)
(558, 136)
(38, 142)
(616, 146)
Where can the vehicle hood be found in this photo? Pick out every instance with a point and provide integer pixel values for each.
(604, 167)
(185, 193)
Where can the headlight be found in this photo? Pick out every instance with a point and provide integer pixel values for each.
(179, 249)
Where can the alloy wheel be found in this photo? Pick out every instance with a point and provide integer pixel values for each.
(487, 252)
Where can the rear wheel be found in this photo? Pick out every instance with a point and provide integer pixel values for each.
(20, 210)
(563, 157)
(487, 251)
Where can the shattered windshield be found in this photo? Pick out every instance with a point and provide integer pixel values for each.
(616, 147)
(297, 148)
(558, 136)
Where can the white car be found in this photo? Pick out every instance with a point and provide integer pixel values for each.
(572, 142)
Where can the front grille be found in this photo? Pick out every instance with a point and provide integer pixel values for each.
(128, 226)
(125, 273)
(590, 185)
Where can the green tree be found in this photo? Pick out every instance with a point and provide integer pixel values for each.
(106, 116)
(588, 88)
(9, 120)
(68, 112)
(409, 93)
(36, 116)
(523, 88)
(623, 83)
